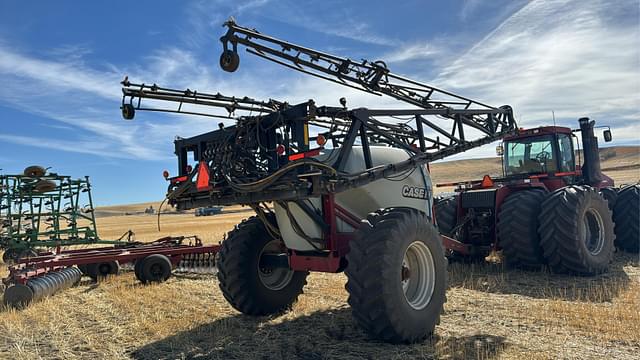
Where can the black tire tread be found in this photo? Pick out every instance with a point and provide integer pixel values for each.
(143, 269)
(367, 261)
(626, 216)
(559, 221)
(446, 209)
(518, 228)
(232, 262)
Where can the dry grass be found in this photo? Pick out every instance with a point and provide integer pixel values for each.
(491, 312)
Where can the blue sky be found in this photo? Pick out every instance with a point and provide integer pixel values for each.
(61, 63)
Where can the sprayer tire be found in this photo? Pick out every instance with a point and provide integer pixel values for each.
(518, 228)
(154, 268)
(569, 218)
(626, 215)
(446, 214)
(238, 272)
(377, 261)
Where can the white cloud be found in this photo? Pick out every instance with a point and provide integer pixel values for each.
(249, 5)
(59, 75)
(576, 58)
(90, 146)
(468, 8)
(420, 51)
(566, 56)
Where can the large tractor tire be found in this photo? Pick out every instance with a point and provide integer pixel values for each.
(249, 287)
(627, 218)
(397, 275)
(576, 231)
(611, 195)
(518, 228)
(447, 214)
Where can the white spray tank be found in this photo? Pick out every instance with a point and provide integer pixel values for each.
(409, 189)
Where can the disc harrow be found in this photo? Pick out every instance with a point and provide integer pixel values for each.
(34, 278)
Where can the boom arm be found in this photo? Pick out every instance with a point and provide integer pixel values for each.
(372, 77)
(202, 103)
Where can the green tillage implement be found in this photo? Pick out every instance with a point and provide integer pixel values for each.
(40, 210)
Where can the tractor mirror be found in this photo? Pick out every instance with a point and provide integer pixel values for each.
(607, 135)
(499, 150)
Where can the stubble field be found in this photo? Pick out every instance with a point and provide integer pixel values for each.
(491, 312)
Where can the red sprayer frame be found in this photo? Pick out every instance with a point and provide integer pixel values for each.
(338, 242)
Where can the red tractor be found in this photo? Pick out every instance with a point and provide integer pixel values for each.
(545, 209)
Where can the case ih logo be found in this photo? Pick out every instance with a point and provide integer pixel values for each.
(415, 192)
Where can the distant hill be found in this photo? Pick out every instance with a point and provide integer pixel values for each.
(620, 162)
(613, 159)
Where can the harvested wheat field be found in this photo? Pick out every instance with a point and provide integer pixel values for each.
(491, 312)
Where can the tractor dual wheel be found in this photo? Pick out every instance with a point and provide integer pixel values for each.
(98, 271)
(576, 231)
(396, 275)
(248, 285)
(154, 268)
(611, 195)
(518, 228)
(625, 215)
(446, 214)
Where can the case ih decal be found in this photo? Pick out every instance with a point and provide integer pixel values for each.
(415, 192)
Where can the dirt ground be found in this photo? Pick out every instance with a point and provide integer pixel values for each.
(491, 312)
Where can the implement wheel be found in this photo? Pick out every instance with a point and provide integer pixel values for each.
(137, 269)
(518, 228)
(34, 171)
(229, 60)
(397, 275)
(10, 256)
(576, 231)
(101, 270)
(128, 111)
(44, 186)
(626, 215)
(251, 287)
(154, 268)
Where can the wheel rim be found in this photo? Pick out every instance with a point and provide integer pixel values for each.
(593, 230)
(418, 275)
(273, 278)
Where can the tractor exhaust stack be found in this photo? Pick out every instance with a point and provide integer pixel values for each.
(591, 167)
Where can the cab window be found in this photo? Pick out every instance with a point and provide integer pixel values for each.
(567, 158)
(529, 156)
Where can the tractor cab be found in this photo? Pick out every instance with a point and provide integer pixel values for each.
(547, 153)
(546, 150)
